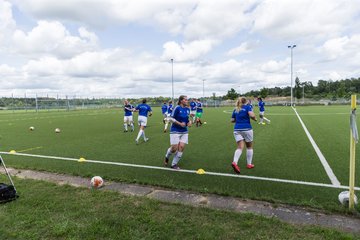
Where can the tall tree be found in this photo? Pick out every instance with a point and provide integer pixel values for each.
(232, 94)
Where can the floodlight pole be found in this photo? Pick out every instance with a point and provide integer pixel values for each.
(203, 89)
(291, 88)
(172, 79)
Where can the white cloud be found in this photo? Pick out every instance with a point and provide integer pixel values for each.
(53, 38)
(7, 23)
(187, 51)
(341, 47)
(6, 70)
(283, 19)
(245, 47)
(276, 66)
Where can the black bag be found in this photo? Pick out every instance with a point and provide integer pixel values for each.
(7, 193)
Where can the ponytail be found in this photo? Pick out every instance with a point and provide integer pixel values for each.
(239, 103)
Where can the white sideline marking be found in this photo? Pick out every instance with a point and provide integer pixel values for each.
(188, 171)
(323, 161)
(290, 114)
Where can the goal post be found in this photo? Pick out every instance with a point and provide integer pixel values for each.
(353, 140)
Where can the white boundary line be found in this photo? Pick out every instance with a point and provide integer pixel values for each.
(188, 171)
(323, 161)
(290, 114)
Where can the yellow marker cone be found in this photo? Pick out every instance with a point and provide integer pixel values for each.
(200, 171)
(82, 159)
(12, 151)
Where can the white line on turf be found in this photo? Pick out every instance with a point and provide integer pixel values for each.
(291, 114)
(188, 171)
(323, 161)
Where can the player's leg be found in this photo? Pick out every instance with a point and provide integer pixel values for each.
(237, 154)
(267, 120)
(142, 123)
(249, 136)
(174, 141)
(261, 115)
(125, 124)
(183, 140)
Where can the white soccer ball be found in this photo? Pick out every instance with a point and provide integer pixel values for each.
(97, 182)
(57, 130)
(205, 122)
(345, 196)
(31, 128)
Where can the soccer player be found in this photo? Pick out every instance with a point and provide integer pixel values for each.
(261, 105)
(243, 132)
(178, 132)
(128, 117)
(193, 110)
(199, 112)
(168, 114)
(164, 111)
(143, 110)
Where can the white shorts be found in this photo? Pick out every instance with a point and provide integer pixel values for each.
(165, 115)
(128, 119)
(175, 138)
(193, 112)
(262, 113)
(142, 121)
(248, 136)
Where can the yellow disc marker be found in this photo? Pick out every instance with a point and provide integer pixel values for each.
(82, 159)
(200, 171)
(12, 151)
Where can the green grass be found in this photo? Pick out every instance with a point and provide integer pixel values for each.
(281, 150)
(49, 211)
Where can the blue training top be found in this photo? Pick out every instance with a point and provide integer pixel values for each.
(193, 106)
(199, 107)
(261, 106)
(144, 109)
(181, 114)
(170, 109)
(242, 118)
(164, 108)
(128, 110)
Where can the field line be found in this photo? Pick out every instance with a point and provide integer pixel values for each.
(187, 171)
(323, 161)
(291, 114)
(30, 149)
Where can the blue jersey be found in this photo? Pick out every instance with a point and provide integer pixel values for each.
(193, 106)
(181, 114)
(164, 108)
(199, 107)
(170, 109)
(242, 118)
(261, 106)
(144, 109)
(128, 110)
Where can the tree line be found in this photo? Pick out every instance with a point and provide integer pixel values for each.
(324, 90)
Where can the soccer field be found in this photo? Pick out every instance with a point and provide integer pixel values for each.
(287, 168)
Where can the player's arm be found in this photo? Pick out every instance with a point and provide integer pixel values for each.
(252, 116)
(150, 113)
(233, 117)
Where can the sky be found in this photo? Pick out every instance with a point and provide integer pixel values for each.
(122, 48)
